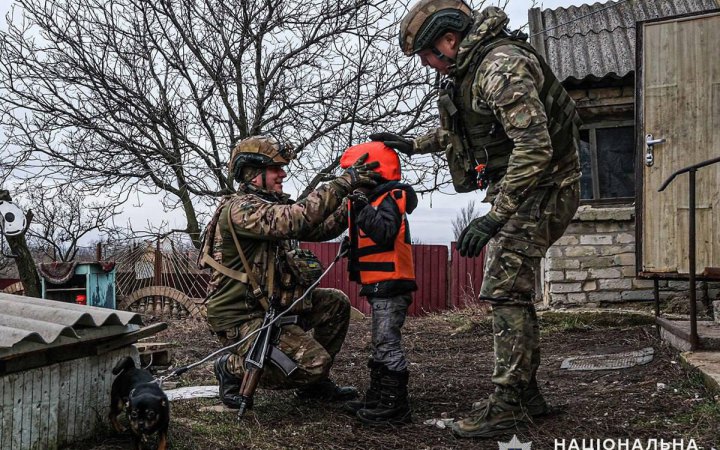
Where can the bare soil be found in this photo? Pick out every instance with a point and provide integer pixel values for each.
(451, 364)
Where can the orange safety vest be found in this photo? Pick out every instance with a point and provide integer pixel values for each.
(375, 263)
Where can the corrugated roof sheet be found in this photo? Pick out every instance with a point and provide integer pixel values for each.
(598, 40)
(27, 319)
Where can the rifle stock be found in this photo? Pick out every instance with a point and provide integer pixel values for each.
(247, 389)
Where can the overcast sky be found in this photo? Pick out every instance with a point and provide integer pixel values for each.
(431, 221)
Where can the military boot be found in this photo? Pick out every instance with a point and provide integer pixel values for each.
(229, 384)
(393, 407)
(326, 390)
(372, 395)
(531, 399)
(499, 416)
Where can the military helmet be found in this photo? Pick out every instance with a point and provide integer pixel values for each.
(427, 20)
(259, 151)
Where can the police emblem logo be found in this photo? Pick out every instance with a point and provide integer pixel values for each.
(515, 444)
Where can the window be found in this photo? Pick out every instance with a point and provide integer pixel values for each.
(607, 161)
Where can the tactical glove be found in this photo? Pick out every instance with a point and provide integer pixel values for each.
(474, 237)
(359, 200)
(392, 140)
(361, 174)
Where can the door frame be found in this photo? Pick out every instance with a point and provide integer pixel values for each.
(640, 145)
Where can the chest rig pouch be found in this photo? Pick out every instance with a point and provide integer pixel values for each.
(299, 269)
(305, 267)
(459, 155)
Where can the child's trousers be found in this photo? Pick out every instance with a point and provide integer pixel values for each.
(388, 317)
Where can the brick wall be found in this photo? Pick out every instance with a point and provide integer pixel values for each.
(593, 264)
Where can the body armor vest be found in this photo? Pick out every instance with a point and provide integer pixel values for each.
(477, 137)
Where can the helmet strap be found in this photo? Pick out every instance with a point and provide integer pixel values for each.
(441, 56)
(264, 179)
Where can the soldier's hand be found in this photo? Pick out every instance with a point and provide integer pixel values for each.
(363, 175)
(477, 234)
(392, 140)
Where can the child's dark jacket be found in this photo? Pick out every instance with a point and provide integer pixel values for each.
(382, 224)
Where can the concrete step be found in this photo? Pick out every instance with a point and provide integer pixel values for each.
(708, 363)
(677, 333)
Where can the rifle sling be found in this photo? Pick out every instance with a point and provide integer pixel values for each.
(228, 272)
(257, 291)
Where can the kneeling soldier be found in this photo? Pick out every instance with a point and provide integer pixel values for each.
(248, 246)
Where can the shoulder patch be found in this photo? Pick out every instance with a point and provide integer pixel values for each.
(520, 116)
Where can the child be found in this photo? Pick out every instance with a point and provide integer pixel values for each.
(380, 258)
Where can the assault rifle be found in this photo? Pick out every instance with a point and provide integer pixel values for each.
(264, 349)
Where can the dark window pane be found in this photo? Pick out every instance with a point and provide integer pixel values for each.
(616, 162)
(586, 190)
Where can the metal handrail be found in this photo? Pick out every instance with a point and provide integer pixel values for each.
(694, 338)
(694, 167)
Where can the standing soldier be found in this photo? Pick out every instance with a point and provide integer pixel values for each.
(248, 246)
(504, 111)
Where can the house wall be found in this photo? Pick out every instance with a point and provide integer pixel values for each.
(602, 103)
(593, 264)
(55, 405)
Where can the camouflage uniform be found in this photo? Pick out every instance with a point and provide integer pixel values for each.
(509, 111)
(265, 223)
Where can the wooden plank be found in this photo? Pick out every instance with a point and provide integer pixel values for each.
(82, 406)
(104, 382)
(95, 390)
(64, 369)
(8, 405)
(110, 360)
(3, 410)
(17, 412)
(72, 400)
(131, 338)
(44, 409)
(661, 96)
(21, 415)
(35, 423)
(54, 395)
(27, 408)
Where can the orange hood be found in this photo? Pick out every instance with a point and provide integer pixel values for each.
(389, 161)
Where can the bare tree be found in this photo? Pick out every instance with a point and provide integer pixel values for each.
(23, 258)
(150, 96)
(463, 218)
(63, 217)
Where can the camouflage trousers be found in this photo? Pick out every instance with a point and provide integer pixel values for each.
(313, 352)
(513, 260)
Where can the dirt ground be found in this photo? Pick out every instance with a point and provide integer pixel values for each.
(451, 363)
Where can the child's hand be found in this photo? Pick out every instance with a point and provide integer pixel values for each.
(359, 199)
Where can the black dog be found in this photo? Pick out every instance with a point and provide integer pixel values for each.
(137, 393)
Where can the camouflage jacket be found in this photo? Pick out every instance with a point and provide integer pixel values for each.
(507, 84)
(267, 226)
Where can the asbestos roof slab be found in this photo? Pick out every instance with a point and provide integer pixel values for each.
(31, 324)
(598, 41)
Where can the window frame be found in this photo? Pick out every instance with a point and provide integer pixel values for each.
(591, 128)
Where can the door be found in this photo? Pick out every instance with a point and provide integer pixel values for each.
(679, 102)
